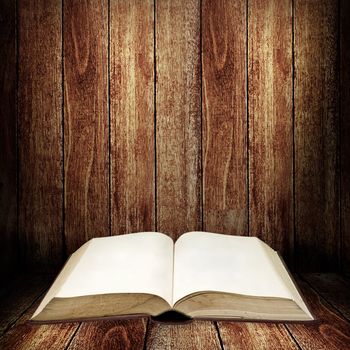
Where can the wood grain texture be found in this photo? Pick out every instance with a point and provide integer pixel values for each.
(334, 288)
(110, 335)
(132, 116)
(258, 336)
(224, 117)
(24, 336)
(178, 120)
(8, 157)
(316, 119)
(195, 335)
(167, 159)
(329, 332)
(85, 121)
(40, 133)
(271, 123)
(345, 132)
(23, 291)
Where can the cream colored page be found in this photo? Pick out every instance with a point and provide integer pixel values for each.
(234, 264)
(132, 263)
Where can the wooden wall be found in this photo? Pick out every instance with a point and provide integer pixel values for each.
(127, 115)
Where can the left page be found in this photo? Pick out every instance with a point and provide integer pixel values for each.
(132, 263)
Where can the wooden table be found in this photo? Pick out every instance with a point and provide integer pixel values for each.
(327, 294)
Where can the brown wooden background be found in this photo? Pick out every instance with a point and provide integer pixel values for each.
(130, 115)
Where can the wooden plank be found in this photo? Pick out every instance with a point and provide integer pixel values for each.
(329, 332)
(334, 288)
(111, 335)
(224, 117)
(178, 137)
(345, 131)
(237, 335)
(25, 335)
(40, 132)
(8, 157)
(195, 335)
(316, 118)
(86, 121)
(21, 295)
(132, 116)
(178, 121)
(270, 114)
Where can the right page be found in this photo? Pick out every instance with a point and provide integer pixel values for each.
(234, 264)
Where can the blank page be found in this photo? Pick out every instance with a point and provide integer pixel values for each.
(132, 263)
(234, 264)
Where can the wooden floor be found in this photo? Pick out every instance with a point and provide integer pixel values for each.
(327, 294)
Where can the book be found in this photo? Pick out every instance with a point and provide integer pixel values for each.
(202, 276)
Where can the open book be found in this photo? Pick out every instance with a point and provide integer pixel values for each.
(202, 275)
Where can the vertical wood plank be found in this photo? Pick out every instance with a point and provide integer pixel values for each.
(132, 116)
(191, 336)
(224, 116)
(178, 145)
(316, 119)
(271, 123)
(178, 120)
(40, 132)
(345, 131)
(110, 335)
(8, 156)
(86, 121)
(257, 336)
